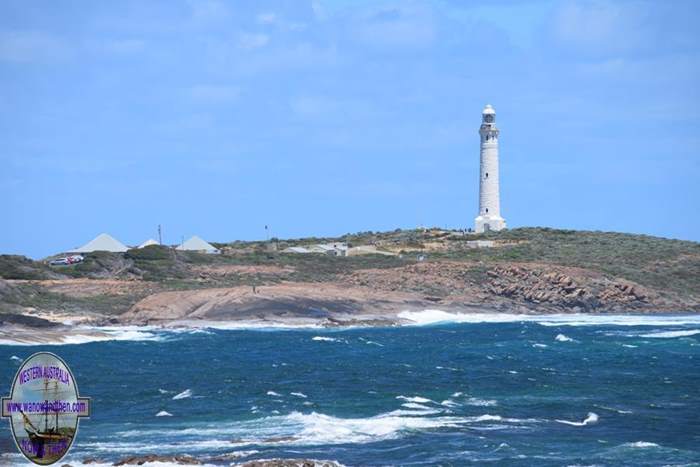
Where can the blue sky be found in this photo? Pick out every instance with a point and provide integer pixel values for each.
(325, 117)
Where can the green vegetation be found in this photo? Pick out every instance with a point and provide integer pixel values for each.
(668, 266)
(21, 267)
(652, 261)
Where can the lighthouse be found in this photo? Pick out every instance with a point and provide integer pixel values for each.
(489, 217)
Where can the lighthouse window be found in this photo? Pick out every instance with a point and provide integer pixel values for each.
(487, 175)
(487, 209)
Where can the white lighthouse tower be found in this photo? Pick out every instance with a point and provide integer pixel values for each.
(489, 217)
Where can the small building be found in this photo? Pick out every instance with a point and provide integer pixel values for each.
(331, 249)
(148, 242)
(197, 244)
(296, 249)
(367, 250)
(103, 242)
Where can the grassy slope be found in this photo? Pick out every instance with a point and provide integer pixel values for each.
(662, 264)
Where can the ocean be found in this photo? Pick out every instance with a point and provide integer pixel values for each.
(449, 390)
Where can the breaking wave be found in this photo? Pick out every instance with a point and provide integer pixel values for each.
(183, 395)
(88, 334)
(563, 338)
(671, 334)
(591, 419)
(313, 428)
(427, 317)
(327, 339)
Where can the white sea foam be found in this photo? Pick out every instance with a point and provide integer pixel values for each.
(326, 339)
(87, 334)
(613, 409)
(417, 399)
(163, 413)
(367, 341)
(449, 403)
(541, 346)
(641, 444)
(563, 338)
(311, 429)
(253, 325)
(415, 406)
(427, 317)
(590, 419)
(274, 394)
(449, 368)
(299, 394)
(475, 401)
(183, 395)
(672, 334)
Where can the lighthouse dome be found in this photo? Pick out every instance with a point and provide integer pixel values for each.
(488, 110)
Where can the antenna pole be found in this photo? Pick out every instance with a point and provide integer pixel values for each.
(160, 235)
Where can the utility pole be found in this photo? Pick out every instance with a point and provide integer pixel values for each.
(160, 235)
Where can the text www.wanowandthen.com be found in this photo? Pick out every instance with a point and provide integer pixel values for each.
(46, 406)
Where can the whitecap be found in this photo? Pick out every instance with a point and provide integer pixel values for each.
(163, 413)
(672, 334)
(475, 401)
(417, 399)
(563, 338)
(416, 406)
(641, 444)
(449, 403)
(613, 409)
(488, 418)
(326, 339)
(87, 334)
(301, 429)
(183, 395)
(299, 394)
(446, 368)
(274, 394)
(432, 316)
(369, 342)
(590, 419)
(541, 346)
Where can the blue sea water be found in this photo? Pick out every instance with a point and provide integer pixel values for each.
(576, 391)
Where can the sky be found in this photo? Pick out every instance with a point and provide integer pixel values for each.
(326, 117)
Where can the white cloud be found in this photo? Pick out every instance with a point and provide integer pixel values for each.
(253, 41)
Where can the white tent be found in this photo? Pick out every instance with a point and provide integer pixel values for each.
(103, 242)
(197, 244)
(148, 242)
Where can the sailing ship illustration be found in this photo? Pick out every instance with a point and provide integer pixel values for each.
(53, 440)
